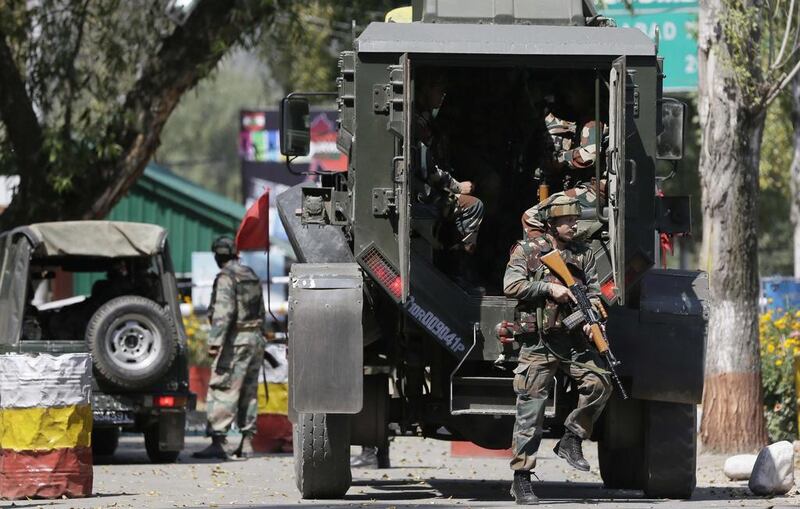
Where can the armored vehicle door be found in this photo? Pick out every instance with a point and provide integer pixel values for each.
(617, 172)
(402, 166)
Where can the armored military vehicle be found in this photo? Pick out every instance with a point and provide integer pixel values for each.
(128, 318)
(384, 337)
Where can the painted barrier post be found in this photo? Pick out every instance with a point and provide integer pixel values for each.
(274, 431)
(45, 426)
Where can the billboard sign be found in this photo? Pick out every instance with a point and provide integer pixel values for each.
(676, 22)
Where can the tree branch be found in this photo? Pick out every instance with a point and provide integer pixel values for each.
(786, 31)
(784, 81)
(71, 77)
(189, 54)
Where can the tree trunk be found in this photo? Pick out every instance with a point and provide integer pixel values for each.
(733, 418)
(795, 175)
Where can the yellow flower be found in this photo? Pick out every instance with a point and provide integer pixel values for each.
(797, 314)
(780, 323)
(779, 362)
(766, 318)
(770, 348)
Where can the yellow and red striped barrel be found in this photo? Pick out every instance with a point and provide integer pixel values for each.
(45, 426)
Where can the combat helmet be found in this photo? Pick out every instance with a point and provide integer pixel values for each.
(224, 246)
(561, 205)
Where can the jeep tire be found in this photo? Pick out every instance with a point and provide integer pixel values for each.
(133, 342)
(322, 455)
(105, 441)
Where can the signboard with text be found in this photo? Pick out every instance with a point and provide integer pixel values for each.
(676, 22)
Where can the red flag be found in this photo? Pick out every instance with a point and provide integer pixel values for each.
(253, 234)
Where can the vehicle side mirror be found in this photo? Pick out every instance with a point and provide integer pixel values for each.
(669, 143)
(295, 127)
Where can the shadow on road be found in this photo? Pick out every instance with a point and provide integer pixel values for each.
(469, 490)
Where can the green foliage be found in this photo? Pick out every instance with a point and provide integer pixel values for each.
(303, 48)
(780, 353)
(775, 229)
(99, 80)
(197, 329)
(741, 31)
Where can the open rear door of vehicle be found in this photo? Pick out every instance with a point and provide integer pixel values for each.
(617, 172)
(402, 168)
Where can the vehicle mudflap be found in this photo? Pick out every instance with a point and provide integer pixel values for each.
(662, 344)
(171, 429)
(326, 352)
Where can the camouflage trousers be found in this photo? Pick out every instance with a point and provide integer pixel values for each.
(468, 216)
(533, 376)
(233, 388)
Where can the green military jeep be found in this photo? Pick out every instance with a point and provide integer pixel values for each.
(107, 288)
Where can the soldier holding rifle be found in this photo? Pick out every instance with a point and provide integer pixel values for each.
(553, 338)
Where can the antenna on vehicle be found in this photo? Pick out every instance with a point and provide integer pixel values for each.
(657, 38)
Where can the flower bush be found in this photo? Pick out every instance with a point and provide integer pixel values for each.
(779, 335)
(197, 339)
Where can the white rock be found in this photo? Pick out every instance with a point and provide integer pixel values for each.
(773, 472)
(738, 468)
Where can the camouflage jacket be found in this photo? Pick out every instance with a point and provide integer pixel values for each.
(526, 280)
(237, 305)
(569, 150)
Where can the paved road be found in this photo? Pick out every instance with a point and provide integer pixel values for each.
(423, 474)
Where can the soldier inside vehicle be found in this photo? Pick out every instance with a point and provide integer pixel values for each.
(492, 142)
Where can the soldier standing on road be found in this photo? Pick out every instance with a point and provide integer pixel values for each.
(236, 313)
(548, 345)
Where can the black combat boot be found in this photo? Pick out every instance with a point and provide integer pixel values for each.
(569, 448)
(215, 451)
(245, 449)
(522, 488)
(367, 459)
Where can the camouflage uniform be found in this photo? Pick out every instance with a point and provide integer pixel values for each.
(237, 328)
(569, 156)
(548, 346)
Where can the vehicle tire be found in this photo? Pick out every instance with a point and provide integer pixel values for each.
(621, 444)
(132, 340)
(670, 449)
(105, 441)
(322, 455)
(154, 452)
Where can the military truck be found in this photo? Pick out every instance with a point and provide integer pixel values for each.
(126, 314)
(383, 338)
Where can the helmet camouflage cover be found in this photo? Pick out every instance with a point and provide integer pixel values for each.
(224, 246)
(561, 206)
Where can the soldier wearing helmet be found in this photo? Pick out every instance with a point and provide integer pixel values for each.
(547, 345)
(235, 342)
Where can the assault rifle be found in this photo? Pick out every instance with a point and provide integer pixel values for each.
(555, 263)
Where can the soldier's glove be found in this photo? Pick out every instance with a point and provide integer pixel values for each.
(213, 351)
